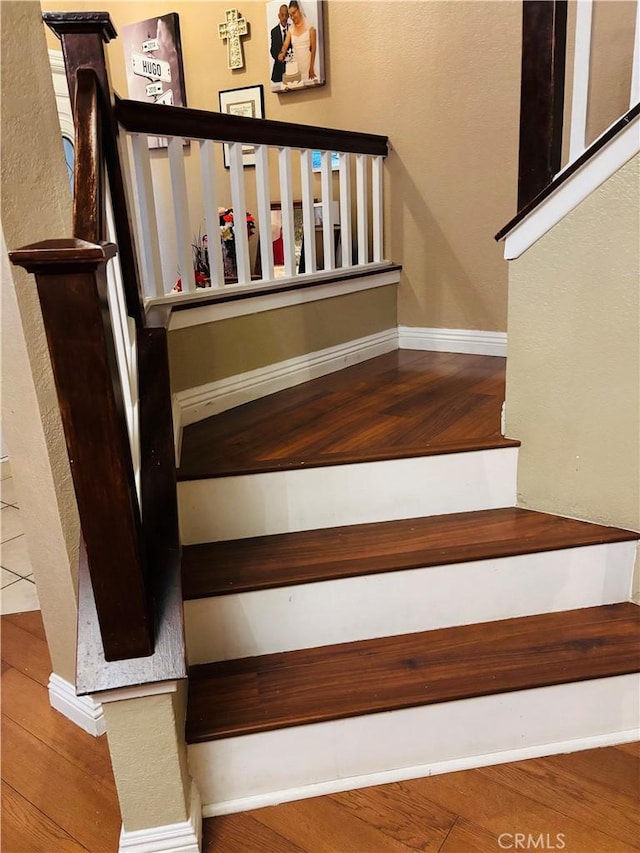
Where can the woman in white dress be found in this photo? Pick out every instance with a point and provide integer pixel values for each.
(302, 39)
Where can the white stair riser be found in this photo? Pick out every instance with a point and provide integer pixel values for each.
(306, 499)
(241, 773)
(384, 605)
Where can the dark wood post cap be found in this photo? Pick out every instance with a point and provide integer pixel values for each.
(51, 254)
(81, 22)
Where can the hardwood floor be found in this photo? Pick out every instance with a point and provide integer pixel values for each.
(401, 404)
(58, 792)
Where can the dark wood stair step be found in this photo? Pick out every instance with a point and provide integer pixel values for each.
(399, 405)
(265, 562)
(232, 467)
(350, 679)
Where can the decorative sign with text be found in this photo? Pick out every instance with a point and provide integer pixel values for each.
(153, 53)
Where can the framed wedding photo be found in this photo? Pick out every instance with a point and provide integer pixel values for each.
(248, 102)
(296, 45)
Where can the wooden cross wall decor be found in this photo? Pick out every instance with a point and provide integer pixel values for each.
(233, 28)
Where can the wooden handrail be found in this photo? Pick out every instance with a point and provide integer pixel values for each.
(611, 133)
(88, 197)
(83, 36)
(162, 120)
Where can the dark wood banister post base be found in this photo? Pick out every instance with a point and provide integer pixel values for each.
(72, 287)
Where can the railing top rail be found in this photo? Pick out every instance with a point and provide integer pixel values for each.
(606, 137)
(162, 120)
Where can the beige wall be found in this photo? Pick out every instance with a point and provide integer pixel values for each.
(445, 88)
(205, 353)
(612, 35)
(149, 757)
(573, 361)
(36, 205)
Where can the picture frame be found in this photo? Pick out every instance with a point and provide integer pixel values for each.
(153, 56)
(294, 74)
(247, 101)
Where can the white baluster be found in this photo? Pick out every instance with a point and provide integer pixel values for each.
(308, 213)
(327, 211)
(181, 212)
(124, 337)
(210, 196)
(239, 205)
(361, 199)
(264, 211)
(345, 209)
(635, 74)
(286, 195)
(580, 97)
(378, 211)
(148, 244)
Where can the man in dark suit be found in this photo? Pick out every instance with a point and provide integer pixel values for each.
(278, 34)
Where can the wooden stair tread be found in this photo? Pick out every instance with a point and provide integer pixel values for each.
(350, 679)
(230, 468)
(402, 404)
(265, 562)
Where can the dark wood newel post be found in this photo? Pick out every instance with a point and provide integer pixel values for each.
(72, 287)
(83, 36)
(544, 39)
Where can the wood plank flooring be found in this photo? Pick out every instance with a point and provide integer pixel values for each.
(264, 562)
(268, 692)
(589, 798)
(401, 404)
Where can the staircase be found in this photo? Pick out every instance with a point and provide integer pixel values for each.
(364, 602)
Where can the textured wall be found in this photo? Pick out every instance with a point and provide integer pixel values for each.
(573, 360)
(149, 757)
(36, 205)
(441, 79)
(205, 353)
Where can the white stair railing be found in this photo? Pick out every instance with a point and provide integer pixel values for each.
(317, 232)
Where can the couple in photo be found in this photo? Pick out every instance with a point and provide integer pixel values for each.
(293, 48)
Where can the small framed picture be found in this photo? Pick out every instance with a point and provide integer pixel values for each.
(247, 101)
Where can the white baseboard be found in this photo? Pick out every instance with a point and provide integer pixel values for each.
(81, 710)
(336, 786)
(453, 340)
(183, 837)
(196, 404)
(247, 772)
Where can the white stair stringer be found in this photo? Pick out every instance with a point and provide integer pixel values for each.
(237, 507)
(251, 771)
(392, 603)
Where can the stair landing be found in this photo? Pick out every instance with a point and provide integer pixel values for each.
(402, 404)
